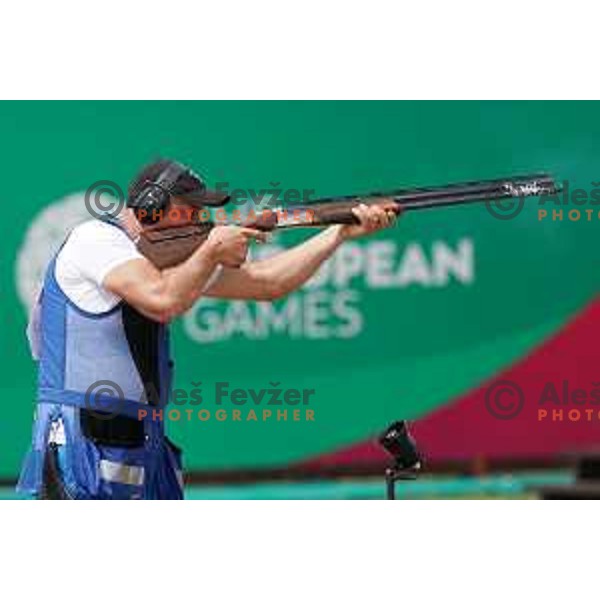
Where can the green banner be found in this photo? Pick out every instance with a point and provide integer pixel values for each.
(392, 326)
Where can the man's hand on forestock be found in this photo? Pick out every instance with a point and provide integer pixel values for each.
(372, 219)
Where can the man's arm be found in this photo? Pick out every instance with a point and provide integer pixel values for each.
(162, 295)
(279, 275)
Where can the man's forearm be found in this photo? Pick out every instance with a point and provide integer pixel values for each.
(283, 273)
(289, 270)
(185, 282)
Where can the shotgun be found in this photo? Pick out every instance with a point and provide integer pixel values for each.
(338, 209)
(169, 243)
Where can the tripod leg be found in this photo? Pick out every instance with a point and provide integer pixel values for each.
(390, 485)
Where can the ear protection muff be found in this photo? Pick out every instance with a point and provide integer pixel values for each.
(154, 196)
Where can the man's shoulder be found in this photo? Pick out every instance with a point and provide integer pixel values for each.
(95, 228)
(93, 239)
(92, 249)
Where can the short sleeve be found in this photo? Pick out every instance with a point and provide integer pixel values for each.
(100, 248)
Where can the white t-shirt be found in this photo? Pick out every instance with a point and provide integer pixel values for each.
(91, 251)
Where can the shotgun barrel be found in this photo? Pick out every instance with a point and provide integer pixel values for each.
(338, 209)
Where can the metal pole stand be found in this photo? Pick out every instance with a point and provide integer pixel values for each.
(393, 474)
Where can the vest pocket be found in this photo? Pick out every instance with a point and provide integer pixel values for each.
(117, 431)
(121, 472)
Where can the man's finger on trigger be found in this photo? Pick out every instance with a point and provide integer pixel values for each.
(359, 213)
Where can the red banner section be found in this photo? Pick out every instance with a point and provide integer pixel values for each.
(545, 406)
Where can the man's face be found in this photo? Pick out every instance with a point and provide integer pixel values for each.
(179, 211)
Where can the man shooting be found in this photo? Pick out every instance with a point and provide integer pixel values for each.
(102, 320)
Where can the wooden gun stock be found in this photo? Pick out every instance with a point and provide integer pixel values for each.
(166, 247)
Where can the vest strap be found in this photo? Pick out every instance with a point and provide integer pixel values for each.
(102, 405)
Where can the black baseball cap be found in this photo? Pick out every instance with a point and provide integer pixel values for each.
(177, 179)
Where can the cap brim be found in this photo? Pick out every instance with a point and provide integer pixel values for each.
(205, 198)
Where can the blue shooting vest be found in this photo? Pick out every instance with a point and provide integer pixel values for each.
(82, 352)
